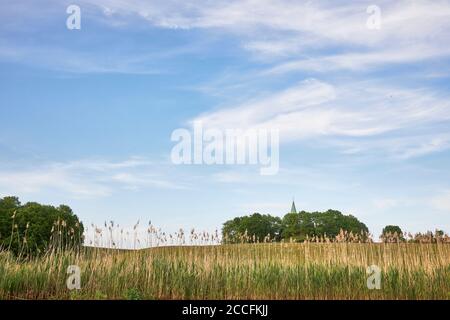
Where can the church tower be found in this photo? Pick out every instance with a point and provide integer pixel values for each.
(293, 209)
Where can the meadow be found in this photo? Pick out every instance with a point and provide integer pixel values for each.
(306, 270)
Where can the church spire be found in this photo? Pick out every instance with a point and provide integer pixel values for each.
(293, 209)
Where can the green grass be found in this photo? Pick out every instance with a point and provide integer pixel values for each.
(243, 271)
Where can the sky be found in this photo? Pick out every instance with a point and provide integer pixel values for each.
(363, 113)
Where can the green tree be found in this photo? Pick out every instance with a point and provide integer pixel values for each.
(32, 228)
(256, 227)
(392, 233)
(8, 205)
(309, 224)
(290, 226)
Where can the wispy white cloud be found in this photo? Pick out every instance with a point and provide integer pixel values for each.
(306, 94)
(87, 178)
(411, 30)
(315, 109)
(34, 34)
(359, 61)
(317, 36)
(399, 147)
(77, 61)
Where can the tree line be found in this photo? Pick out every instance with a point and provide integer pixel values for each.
(293, 226)
(330, 225)
(34, 228)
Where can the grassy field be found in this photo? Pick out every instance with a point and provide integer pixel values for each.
(242, 271)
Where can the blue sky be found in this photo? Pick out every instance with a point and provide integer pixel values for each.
(364, 115)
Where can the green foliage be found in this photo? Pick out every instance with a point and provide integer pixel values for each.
(392, 233)
(256, 226)
(100, 295)
(133, 294)
(309, 224)
(439, 233)
(392, 229)
(32, 228)
(297, 226)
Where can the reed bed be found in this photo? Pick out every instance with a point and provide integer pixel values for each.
(305, 270)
